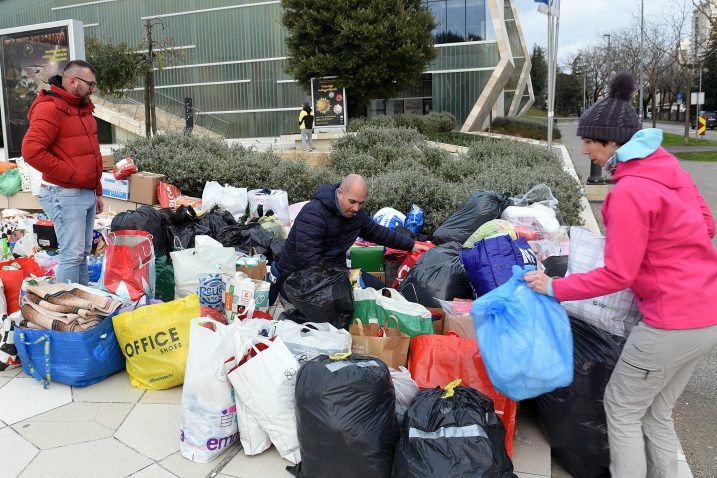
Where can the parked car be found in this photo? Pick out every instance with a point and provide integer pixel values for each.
(711, 120)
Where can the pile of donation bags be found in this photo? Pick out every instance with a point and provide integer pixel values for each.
(195, 312)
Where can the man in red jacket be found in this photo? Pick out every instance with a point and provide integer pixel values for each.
(62, 144)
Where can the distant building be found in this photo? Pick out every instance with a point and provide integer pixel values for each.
(704, 18)
(234, 56)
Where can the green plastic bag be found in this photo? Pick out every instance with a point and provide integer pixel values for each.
(10, 182)
(413, 319)
(164, 286)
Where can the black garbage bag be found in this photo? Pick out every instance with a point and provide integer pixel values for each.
(148, 219)
(322, 293)
(248, 238)
(345, 418)
(573, 417)
(217, 219)
(556, 266)
(184, 226)
(438, 274)
(457, 436)
(479, 208)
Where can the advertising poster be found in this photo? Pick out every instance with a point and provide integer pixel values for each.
(329, 103)
(28, 60)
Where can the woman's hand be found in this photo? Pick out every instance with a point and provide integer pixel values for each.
(538, 281)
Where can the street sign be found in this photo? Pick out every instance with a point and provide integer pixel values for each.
(680, 98)
(694, 100)
(702, 125)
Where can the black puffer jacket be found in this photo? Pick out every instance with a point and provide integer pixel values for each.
(322, 235)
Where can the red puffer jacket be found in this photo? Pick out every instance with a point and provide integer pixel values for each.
(62, 140)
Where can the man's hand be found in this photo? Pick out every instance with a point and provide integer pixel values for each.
(538, 281)
(99, 206)
(419, 247)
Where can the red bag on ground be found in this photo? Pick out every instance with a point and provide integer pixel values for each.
(407, 264)
(437, 360)
(128, 270)
(28, 266)
(12, 283)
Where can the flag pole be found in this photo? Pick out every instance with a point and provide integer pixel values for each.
(550, 79)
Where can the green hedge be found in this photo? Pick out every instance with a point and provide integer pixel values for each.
(534, 128)
(401, 167)
(426, 124)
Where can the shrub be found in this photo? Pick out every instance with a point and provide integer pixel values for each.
(535, 128)
(432, 123)
(457, 138)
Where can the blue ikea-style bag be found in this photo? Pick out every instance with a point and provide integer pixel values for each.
(72, 358)
(524, 338)
(489, 263)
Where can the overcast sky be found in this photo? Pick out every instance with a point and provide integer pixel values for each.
(583, 22)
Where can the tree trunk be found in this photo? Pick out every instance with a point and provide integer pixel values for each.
(686, 139)
(147, 111)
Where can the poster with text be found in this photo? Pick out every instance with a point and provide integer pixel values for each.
(329, 103)
(28, 60)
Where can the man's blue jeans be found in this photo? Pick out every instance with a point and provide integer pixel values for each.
(73, 212)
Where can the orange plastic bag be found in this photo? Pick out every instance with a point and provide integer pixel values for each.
(437, 360)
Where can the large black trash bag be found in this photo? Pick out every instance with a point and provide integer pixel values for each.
(573, 417)
(438, 274)
(184, 226)
(248, 238)
(146, 218)
(345, 418)
(322, 293)
(458, 436)
(479, 208)
(217, 219)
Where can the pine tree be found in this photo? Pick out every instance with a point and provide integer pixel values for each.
(539, 75)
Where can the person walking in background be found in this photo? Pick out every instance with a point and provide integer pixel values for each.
(306, 123)
(658, 232)
(62, 144)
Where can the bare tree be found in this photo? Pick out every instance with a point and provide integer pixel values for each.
(159, 54)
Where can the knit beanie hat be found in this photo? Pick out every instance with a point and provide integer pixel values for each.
(612, 118)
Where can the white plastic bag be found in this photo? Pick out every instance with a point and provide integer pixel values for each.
(265, 385)
(406, 390)
(261, 201)
(615, 313)
(542, 215)
(311, 339)
(25, 245)
(294, 211)
(208, 257)
(389, 217)
(209, 422)
(227, 197)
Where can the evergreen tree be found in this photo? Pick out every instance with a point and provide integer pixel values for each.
(539, 75)
(709, 75)
(375, 49)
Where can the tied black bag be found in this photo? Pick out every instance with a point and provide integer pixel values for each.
(345, 417)
(321, 293)
(145, 218)
(438, 274)
(573, 417)
(452, 432)
(479, 208)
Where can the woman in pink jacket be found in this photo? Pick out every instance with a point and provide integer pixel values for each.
(658, 232)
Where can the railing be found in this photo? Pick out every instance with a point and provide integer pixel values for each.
(173, 109)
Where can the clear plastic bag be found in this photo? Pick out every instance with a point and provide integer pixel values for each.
(406, 390)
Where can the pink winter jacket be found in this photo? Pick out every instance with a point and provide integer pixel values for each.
(658, 243)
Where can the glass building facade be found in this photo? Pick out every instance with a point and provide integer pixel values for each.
(232, 55)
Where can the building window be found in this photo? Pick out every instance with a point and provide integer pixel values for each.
(458, 20)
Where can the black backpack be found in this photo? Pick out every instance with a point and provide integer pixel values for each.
(308, 121)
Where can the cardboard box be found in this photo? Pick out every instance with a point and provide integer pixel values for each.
(115, 188)
(379, 275)
(437, 318)
(108, 162)
(143, 187)
(460, 324)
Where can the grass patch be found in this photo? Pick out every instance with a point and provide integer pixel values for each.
(456, 138)
(697, 156)
(523, 127)
(670, 139)
(534, 112)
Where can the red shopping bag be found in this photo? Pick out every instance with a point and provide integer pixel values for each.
(128, 270)
(11, 285)
(437, 360)
(409, 262)
(28, 266)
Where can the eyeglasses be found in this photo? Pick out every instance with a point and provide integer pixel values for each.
(91, 84)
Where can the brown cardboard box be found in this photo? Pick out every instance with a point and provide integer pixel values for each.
(379, 275)
(143, 187)
(108, 162)
(437, 318)
(460, 324)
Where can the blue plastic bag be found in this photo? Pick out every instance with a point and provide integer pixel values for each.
(489, 263)
(524, 338)
(414, 220)
(73, 358)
